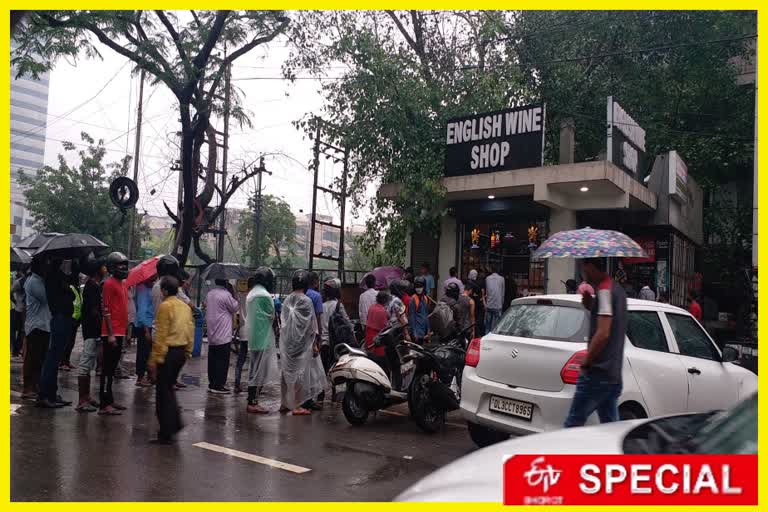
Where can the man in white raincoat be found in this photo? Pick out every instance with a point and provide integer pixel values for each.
(297, 347)
(260, 313)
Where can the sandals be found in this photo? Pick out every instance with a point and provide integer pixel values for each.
(86, 407)
(106, 412)
(301, 412)
(257, 409)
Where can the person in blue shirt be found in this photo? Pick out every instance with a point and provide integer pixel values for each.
(418, 312)
(317, 304)
(145, 316)
(429, 280)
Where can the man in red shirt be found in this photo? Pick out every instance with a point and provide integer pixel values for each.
(114, 298)
(695, 307)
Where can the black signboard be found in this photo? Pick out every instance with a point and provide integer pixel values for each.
(495, 141)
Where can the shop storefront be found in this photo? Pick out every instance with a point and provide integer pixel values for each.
(503, 203)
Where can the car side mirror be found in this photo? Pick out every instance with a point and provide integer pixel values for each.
(730, 354)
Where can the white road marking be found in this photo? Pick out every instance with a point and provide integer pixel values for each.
(14, 408)
(253, 458)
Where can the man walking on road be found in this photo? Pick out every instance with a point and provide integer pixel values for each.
(367, 299)
(493, 299)
(600, 384)
(220, 305)
(174, 339)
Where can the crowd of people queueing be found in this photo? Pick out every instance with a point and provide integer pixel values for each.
(162, 318)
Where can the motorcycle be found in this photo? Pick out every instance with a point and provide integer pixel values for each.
(430, 379)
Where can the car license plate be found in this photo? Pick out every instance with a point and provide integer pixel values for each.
(512, 407)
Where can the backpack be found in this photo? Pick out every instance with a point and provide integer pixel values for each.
(340, 328)
(441, 320)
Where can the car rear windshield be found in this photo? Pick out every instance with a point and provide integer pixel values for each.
(545, 321)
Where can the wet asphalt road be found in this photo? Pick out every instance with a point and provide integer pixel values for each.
(63, 455)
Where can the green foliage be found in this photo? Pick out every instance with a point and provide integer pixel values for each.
(75, 199)
(277, 239)
(403, 83)
(402, 75)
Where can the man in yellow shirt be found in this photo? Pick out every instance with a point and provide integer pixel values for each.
(172, 344)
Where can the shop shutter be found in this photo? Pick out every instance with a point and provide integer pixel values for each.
(424, 247)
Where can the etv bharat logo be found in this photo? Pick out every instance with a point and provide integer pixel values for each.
(545, 476)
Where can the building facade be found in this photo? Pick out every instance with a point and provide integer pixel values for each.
(500, 211)
(29, 112)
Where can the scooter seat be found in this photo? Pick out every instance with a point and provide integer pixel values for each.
(344, 349)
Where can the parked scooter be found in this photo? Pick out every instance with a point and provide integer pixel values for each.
(361, 376)
(430, 379)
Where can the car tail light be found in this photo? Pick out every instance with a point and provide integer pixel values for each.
(572, 368)
(473, 353)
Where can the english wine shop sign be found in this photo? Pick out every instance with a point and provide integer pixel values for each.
(495, 141)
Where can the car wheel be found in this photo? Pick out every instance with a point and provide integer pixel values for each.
(631, 412)
(485, 436)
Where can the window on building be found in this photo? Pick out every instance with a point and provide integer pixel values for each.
(28, 222)
(17, 221)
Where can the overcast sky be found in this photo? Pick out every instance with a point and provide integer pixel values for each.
(100, 96)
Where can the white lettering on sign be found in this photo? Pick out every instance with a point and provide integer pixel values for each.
(628, 126)
(667, 478)
(489, 155)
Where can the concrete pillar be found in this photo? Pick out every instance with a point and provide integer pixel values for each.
(446, 257)
(567, 141)
(560, 269)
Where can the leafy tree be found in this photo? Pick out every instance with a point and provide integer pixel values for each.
(75, 199)
(277, 240)
(407, 74)
(188, 52)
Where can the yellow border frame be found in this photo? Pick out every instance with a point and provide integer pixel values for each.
(351, 4)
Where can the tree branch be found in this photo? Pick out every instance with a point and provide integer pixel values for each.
(213, 36)
(197, 19)
(176, 39)
(242, 51)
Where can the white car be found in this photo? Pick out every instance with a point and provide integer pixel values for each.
(520, 379)
(479, 475)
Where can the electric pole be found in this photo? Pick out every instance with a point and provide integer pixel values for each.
(136, 151)
(257, 210)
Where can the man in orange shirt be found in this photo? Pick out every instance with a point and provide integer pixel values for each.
(695, 307)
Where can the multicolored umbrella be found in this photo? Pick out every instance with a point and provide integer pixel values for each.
(141, 272)
(589, 243)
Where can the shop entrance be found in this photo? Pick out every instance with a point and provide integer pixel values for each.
(500, 235)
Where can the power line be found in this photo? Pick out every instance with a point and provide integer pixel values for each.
(47, 125)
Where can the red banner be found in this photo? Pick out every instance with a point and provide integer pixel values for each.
(648, 243)
(630, 480)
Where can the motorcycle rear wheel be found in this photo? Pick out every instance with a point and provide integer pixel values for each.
(427, 416)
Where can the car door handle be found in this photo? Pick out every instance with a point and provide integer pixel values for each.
(694, 371)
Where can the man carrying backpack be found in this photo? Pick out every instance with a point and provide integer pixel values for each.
(337, 328)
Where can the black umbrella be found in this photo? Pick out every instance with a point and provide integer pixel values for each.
(19, 258)
(72, 244)
(226, 271)
(35, 241)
